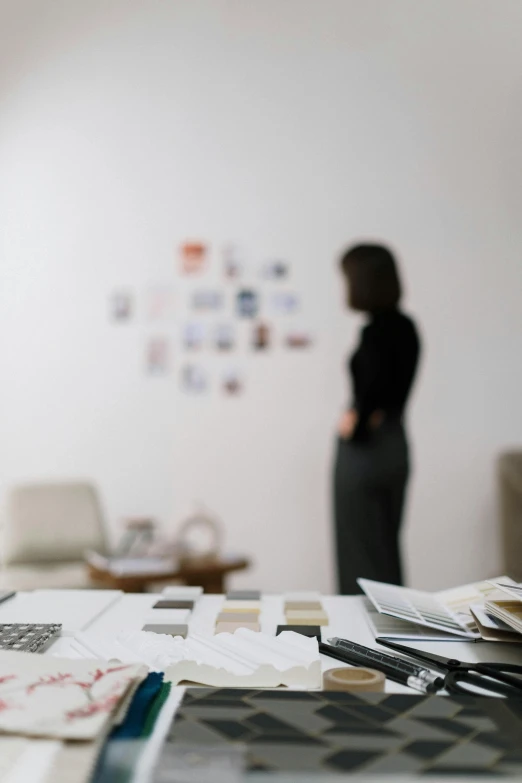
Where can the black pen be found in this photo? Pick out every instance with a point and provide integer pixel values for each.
(394, 668)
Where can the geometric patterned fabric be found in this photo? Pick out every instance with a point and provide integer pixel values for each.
(374, 733)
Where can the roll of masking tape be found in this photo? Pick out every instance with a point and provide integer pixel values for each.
(355, 680)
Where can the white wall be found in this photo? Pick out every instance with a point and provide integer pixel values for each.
(293, 126)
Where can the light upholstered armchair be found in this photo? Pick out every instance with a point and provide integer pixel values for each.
(510, 486)
(47, 530)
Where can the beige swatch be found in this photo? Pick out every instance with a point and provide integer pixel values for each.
(292, 606)
(237, 617)
(306, 618)
(248, 607)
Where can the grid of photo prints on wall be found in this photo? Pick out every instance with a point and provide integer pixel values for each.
(219, 305)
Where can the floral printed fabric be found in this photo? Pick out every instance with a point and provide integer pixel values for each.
(42, 696)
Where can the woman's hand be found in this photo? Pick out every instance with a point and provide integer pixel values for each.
(347, 424)
(349, 419)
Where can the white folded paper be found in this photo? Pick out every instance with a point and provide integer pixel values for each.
(244, 659)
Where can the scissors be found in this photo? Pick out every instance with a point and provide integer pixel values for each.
(502, 679)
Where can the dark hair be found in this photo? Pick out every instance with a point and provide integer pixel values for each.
(373, 278)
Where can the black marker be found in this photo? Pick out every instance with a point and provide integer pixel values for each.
(396, 669)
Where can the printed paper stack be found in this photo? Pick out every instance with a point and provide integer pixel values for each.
(404, 613)
(55, 714)
(507, 609)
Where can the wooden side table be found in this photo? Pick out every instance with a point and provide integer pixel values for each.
(210, 574)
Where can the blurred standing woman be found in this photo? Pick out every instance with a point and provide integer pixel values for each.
(372, 464)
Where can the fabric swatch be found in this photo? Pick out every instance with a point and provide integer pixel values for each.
(43, 696)
(125, 744)
(133, 724)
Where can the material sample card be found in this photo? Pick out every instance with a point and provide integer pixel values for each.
(237, 617)
(252, 607)
(312, 631)
(243, 595)
(44, 696)
(173, 604)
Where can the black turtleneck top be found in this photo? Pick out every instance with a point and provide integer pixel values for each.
(383, 367)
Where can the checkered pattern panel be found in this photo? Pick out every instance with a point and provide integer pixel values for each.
(340, 732)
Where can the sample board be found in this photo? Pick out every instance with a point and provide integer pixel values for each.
(374, 733)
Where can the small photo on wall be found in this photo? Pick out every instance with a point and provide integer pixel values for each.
(159, 303)
(298, 338)
(207, 299)
(261, 337)
(247, 303)
(121, 305)
(193, 336)
(233, 384)
(194, 379)
(284, 303)
(233, 262)
(157, 356)
(225, 337)
(275, 269)
(193, 257)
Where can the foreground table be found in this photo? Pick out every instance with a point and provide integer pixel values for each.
(347, 619)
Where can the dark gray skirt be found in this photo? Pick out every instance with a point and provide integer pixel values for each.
(370, 481)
